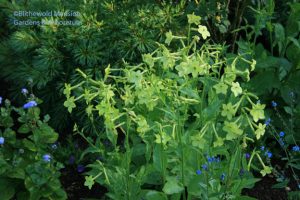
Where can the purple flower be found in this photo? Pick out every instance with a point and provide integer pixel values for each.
(30, 104)
(2, 140)
(0, 100)
(247, 155)
(24, 91)
(274, 104)
(198, 172)
(262, 148)
(296, 148)
(80, 168)
(222, 177)
(72, 160)
(47, 158)
(281, 134)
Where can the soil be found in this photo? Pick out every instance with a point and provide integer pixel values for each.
(73, 183)
(263, 190)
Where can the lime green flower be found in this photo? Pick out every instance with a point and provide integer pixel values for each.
(260, 131)
(203, 31)
(236, 89)
(193, 19)
(257, 111)
(221, 88)
(228, 111)
(233, 130)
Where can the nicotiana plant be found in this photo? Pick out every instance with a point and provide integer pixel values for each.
(27, 169)
(176, 125)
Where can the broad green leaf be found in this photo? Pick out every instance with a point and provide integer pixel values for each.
(172, 186)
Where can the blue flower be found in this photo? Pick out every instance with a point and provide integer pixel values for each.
(247, 155)
(222, 177)
(198, 172)
(281, 134)
(258, 102)
(269, 154)
(274, 104)
(54, 146)
(2, 140)
(205, 167)
(281, 142)
(242, 172)
(0, 100)
(24, 91)
(267, 122)
(210, 159)
(47, 158)
(296, 148)
(72, 160)
(80, 168)
(30, 104)
(262, 148)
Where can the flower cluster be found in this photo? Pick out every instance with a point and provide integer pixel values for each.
(30, 104)
(2, 140)
(296, 148)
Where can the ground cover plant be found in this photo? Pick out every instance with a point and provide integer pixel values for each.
(149, 100)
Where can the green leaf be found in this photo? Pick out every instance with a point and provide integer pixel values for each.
(172, 186)
(154, 195)
(7, 188)
(24, 129)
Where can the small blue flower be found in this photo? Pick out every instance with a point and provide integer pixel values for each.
(268, 122)
(274, 104)
(80, 168)
(47, 158)
(210, 159)
(0, 100)
(296, 148)
(54, 146)
(281, 142)
(281, 134)
(247, 155)
(292, 94)
(2, 140)
(269, 154)
(222, 177)
(242, 172)
(198, 172)
(205, 167)
(30, 104)
(24, 91)
(72, 160)
(262, 148)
